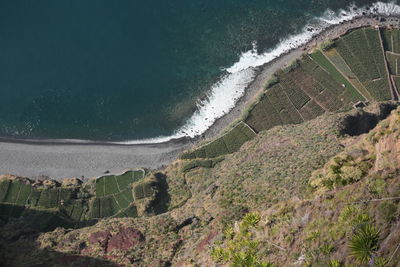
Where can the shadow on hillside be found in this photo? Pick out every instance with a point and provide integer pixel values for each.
(18, 247)
(162, 199)
(362, 122)
(38, 220)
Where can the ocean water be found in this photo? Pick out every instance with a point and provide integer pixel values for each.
(143, 71)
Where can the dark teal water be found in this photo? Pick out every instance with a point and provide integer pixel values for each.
(124, 70)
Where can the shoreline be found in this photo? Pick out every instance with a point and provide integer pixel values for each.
(60, 159)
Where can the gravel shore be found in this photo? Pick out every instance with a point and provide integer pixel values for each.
(60, 160)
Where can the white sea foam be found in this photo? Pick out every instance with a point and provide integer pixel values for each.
(223, 95)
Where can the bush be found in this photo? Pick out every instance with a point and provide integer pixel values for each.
(274, 80)
(291, 67)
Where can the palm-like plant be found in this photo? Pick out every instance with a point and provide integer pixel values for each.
(364, 243)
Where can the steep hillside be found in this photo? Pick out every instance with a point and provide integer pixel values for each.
(310, 192)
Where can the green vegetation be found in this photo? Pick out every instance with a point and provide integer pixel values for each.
(393, 62)
(364, 243)
(274, 80)
(324, 63)
(228, 143)
(341, 171)
(361, 49)
(240, 248)
(75, 204)
(113, 184)
(310, 86)
(204, 163)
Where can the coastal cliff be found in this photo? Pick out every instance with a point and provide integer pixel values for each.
(307, 176)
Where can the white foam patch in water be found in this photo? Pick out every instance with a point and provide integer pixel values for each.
(224, 94)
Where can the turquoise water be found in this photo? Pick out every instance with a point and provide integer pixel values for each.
(127, 70)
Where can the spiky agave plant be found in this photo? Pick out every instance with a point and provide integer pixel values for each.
(364, 243)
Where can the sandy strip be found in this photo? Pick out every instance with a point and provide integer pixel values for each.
(76, 160)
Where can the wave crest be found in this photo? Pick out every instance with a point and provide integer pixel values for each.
(224, 94)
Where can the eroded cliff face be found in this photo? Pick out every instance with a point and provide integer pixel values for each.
(310, 185)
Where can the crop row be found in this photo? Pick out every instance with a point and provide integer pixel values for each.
(362, 51)
(375, 46)
(391, 40)
(341, 65)
(292, 90)
(393, 62)
(283, 105)
(323, 96)
(20, 193)
(353, 62)
(360, 48)
(379, 89)
(228, 143)
(113, 184)
(352, 95)
(311, 110)
(327, 80)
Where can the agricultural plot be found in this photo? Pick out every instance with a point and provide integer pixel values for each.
(228, 143)
(393, 61)
(397, 81)
(15, 194)
(391, 40)
(113, 194)
(315, 89)
(49, 198)
(342, 66)
(293, 91)
(311, 110)
(113, 184)
(353, 94)
(12, 192)
(125, 198)
(131, 211)
(362, 52)
(108, 207)
(75, 210)
(263, 116)
(283, 106)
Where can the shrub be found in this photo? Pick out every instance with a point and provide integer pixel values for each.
(291, 67)
(274, 80)
(364, 243)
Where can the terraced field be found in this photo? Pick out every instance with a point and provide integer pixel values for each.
(363, 53)
(113, 196)
(353, 69)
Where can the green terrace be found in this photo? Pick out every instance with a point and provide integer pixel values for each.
(74, 205)
(362, 65)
